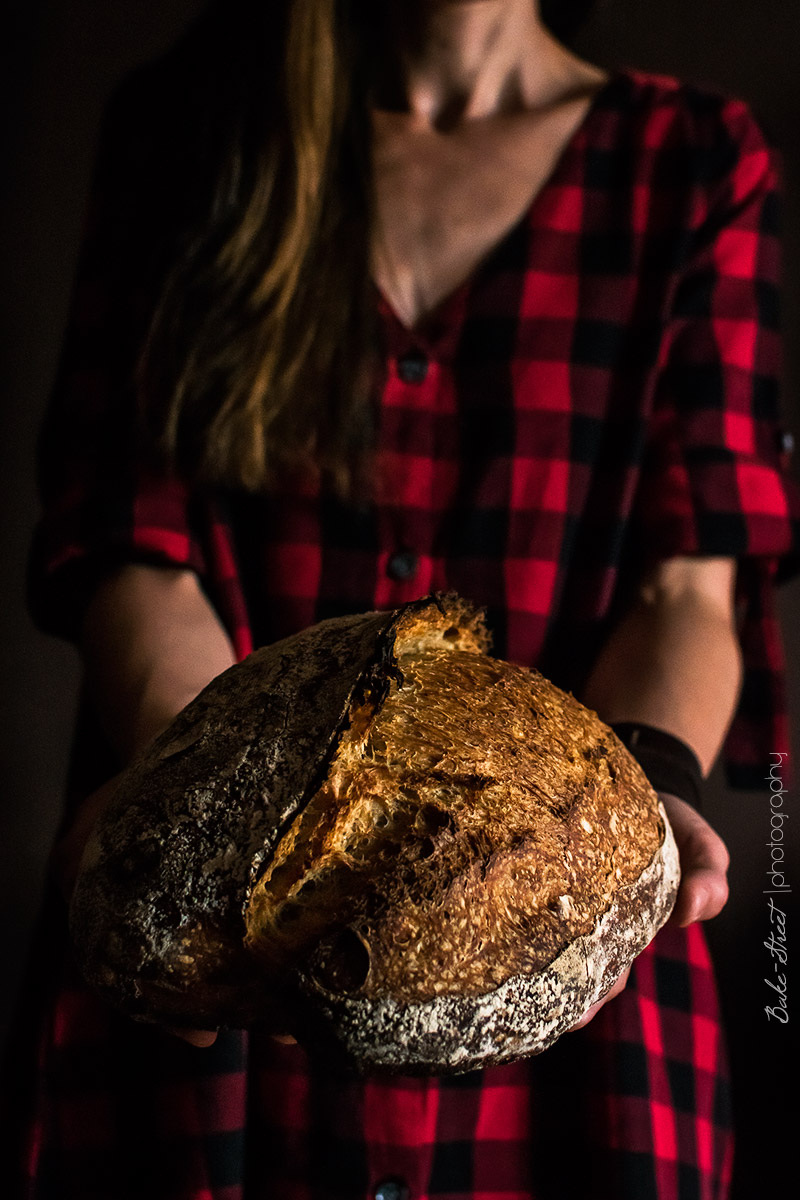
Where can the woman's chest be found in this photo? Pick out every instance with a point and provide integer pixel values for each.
(445, 201)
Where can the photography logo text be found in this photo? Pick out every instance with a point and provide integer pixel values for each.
(776, 943)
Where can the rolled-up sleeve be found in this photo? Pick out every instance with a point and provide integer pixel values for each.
(103, 502)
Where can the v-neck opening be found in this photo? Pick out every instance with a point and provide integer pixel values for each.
(424, 331)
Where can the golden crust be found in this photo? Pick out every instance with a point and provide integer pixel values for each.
(469, 829)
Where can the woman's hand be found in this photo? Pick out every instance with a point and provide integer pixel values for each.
(703, 890)
(618, 987)
(674, 661)
(704, 858)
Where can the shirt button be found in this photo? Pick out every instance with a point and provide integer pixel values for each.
(391, 1189)
(403, 564)
(412, 367)
(785, 441)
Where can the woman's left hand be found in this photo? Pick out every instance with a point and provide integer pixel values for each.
(703, 889)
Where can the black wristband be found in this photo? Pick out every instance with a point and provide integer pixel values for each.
(669, 764)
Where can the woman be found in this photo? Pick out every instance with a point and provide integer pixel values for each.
(380, 299)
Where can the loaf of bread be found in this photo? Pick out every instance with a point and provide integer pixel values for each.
(413, 856)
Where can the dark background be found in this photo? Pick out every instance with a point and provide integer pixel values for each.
(61, 59)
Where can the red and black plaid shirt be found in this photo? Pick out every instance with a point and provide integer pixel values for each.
(601, 393)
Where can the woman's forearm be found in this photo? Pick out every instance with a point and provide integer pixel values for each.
(151, 641)
(674, 661)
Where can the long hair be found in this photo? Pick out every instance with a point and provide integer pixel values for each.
(262, 354)
(259, 357)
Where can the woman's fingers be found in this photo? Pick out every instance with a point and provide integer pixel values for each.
(704, 859)
(703, 890)
(195, 1037)
(595, 1009)
(207, 1037)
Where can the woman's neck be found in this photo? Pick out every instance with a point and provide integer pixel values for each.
(450, 61)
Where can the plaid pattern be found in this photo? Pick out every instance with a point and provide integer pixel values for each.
(601, 393)
(119, 1110)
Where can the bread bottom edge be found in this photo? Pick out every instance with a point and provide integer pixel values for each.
(523, 1016)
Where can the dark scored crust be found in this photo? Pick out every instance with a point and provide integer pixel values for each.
(156, 916)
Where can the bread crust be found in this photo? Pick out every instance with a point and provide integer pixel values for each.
(450, 1034)
(468, 832)
(175, 917)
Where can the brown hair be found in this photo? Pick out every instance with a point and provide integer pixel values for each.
(259, 356)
